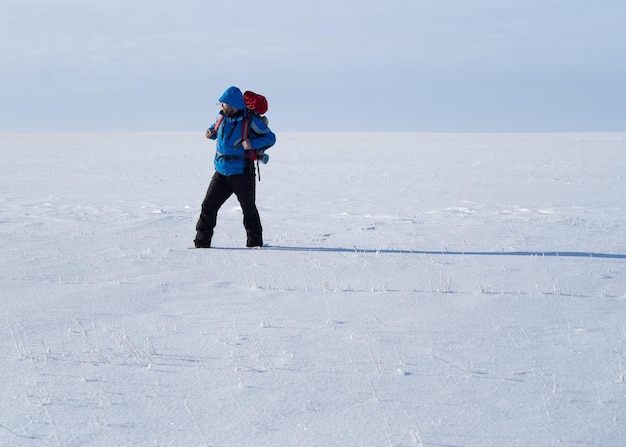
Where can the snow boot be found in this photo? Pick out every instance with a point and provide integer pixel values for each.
(203, 239)
(254, 240)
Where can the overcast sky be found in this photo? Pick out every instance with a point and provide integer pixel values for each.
(366, 65)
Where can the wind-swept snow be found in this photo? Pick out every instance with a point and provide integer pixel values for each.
(417, 290)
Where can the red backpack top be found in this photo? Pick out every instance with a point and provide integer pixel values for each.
(255, 102)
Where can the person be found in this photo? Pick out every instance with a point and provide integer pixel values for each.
(234, 170)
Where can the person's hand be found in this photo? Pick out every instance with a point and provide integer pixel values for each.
(209, 133)
(246, 145)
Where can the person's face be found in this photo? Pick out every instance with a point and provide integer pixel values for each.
(229, 110)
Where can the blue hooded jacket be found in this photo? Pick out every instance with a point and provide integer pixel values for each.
(231, 157)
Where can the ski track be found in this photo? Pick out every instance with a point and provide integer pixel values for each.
(417, 290)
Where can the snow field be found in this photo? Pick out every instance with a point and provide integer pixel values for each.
(417, 290)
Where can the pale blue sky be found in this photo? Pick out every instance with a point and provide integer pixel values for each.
(438, 65)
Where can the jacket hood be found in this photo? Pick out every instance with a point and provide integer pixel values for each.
(233, 97)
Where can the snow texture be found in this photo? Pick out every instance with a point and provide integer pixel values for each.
(417, 290)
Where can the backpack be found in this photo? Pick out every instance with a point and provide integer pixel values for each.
(256, 105)
(255, 102)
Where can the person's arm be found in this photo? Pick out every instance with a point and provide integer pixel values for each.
(260, 136)
(211, 132)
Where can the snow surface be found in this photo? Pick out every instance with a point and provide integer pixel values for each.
(418, 290)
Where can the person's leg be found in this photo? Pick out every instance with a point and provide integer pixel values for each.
(244, 187)
(218, 192)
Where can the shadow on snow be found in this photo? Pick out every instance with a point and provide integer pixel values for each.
(547, 254)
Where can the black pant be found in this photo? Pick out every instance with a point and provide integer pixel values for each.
(220, 189)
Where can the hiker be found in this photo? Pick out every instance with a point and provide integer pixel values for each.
(239, 133)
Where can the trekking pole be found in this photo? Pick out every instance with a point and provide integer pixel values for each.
(254, 157)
